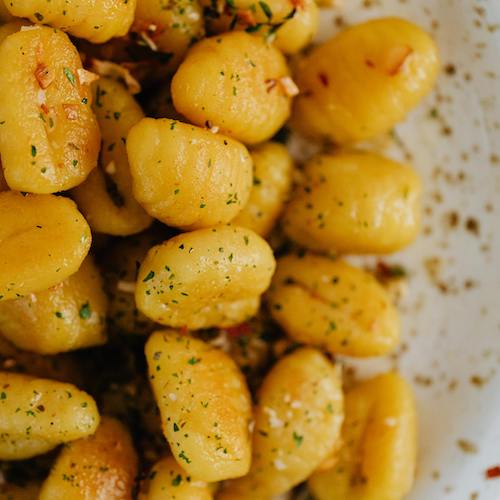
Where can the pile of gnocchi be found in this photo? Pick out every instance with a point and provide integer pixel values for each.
(175, 306)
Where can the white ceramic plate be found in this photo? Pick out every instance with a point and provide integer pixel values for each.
(452, 311)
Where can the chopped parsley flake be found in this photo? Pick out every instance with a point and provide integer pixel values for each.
(70, 76)
(85, 311)
(149, 276)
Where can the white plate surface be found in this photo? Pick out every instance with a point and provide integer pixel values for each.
(452, 311)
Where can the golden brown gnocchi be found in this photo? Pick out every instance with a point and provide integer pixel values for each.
(94, 20)
(204, 405)
(209, 277)
(290, 24)
(297, 422)
(186, 176)
(169, 27)
(102, 466)
(49, 137)
(42, 245)
(39, 414)
(272, 179)
(236, 83)
(69, 315)
(298, 31)
(355, 203)
(168, 481)
(363, 81)
(333, 305)
(105, 198)
(377, 459)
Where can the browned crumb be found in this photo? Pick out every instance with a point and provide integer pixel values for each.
(467, 446)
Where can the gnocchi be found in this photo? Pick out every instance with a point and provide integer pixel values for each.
(291, 25)
(147, 186)
(363, 81)
(297, 421)
(186, 176)
(236, 83)
(355, 203)
(209, 277)
(168, 481)
(43, 245)
(272, 179)
(105, 198)
(333, 305)
(204, 405)
(39, 414)
(93, 20)
(49, 137)
(101, 466)
(377, 459)
(169, 27)
(69, 315)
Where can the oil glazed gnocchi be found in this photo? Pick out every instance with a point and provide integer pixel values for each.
(175, 282)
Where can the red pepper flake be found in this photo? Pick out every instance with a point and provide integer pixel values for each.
(183, 330)
(245, 17)
(270, 84)
(493, 472)
(71, 111)
(369, 63)
(323, 78)
(395, 59)
(239, 330)
(43, 76)
(298, 4)
(45, 108)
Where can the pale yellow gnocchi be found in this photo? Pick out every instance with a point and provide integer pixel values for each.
(272, 180)
(363, 81)
(101, 466)
(49, 137)
(67, 316)
(186, 176)
(355, 203)
(298, 418)
(36, 415)
(378, 456)
(42, 245)
(105, 198)
(209, 277)
(168, 481)
(95, 20)
(204, 405)
(236, 83)
(331, 304)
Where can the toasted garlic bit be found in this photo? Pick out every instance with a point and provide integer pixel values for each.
(116, 72)
(86, 77)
